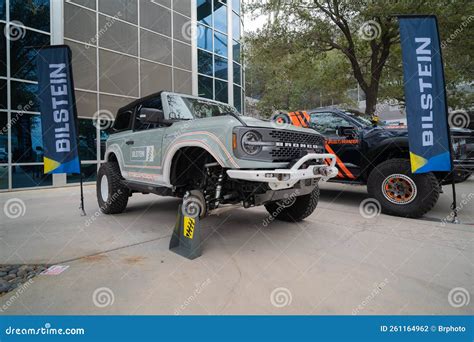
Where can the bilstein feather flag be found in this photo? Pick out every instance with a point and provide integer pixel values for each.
(425, 96)
(58, 110)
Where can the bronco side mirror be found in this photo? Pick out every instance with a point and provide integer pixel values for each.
(151, 116)
(346, 131)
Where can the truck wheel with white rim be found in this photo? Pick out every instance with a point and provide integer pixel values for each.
(294, 209)
(400, 192)
(112, 195)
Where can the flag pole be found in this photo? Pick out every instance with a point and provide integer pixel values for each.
(454, 205)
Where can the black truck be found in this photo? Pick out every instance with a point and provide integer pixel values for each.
(377, 155)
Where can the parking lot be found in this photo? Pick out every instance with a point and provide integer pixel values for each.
(338, 261)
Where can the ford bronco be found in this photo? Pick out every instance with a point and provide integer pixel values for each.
(210, 155)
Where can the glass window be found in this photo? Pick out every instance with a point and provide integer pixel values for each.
(220, 16)
(186, 108)
(155, 47)
(154, 77)
(182, 56)
(182, 81)
(204, 37)
(237, 74)
(86, 103)
(2, 10)
(86, 3)
(205, 87)
(220, 44)
(3, 177)
(123, 9)
(204, 12)
(155, 17)
(113, 103)
(24, 94)
(236, 51)
(3, 51)
(79, 24)
(32, 13)
(4, 137)
(204, 62)
(3, 94)
(23, 61)
(84, 65)
(235, 26)
(28, 176)
(117, 36)
(220, 67)
(221, 91)
(183, 7)
(118, 73)
(238, 98)
(181, 28)
(236, 6)
(327, 123)
(89, 172)
(122, 123)
(105, 131)
(26, 141)
(87, 139)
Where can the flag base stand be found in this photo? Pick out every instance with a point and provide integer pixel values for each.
(186, 238)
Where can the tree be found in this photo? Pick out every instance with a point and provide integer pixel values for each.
(365, 33)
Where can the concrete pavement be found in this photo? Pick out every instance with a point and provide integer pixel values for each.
(334, 262)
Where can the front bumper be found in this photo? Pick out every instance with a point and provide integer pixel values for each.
(286, 178)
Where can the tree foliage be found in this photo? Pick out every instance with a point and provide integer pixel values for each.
(330, 46)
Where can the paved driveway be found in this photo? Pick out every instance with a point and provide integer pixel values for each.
(335, 262)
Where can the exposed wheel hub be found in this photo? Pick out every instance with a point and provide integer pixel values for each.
(399, 189)
(104, 188)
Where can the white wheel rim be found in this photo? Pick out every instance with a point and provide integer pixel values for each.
(399, 195)
(104, 188)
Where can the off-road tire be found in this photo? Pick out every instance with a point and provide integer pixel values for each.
(427, 189)
(118, 193)
(302, 207)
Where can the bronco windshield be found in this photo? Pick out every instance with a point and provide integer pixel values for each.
(188, 108)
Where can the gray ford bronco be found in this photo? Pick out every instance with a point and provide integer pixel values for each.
(211, 156)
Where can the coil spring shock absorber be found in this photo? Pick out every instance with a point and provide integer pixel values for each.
(220, 179)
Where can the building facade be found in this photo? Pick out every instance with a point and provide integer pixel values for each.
(122, 50)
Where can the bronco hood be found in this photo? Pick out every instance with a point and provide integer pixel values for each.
(253, 122)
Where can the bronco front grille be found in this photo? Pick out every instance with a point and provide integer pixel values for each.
(294, 145)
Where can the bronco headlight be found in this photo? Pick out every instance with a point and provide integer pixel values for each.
(252, 143)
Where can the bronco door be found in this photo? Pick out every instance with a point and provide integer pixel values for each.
(143, 154)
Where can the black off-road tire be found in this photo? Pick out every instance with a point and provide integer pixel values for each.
(118, 193)
(302, 207)
(427, 189)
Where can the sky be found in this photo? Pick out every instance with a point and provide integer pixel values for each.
(251, 24)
